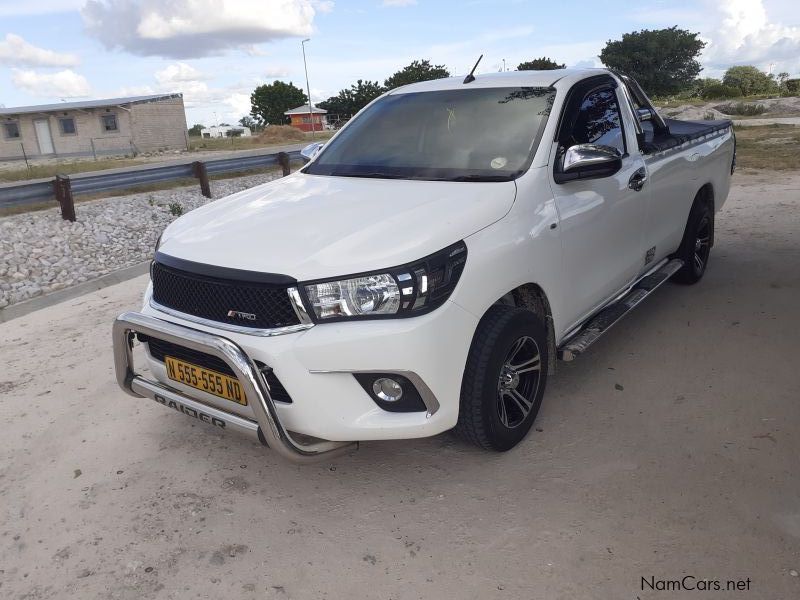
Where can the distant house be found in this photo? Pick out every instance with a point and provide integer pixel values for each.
(100, 127)
(221, 131)
(301, 118)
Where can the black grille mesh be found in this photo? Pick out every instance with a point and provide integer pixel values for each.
(160, 349)
(211, 298)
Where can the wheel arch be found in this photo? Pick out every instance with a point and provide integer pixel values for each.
(532, 296)
(704, 194)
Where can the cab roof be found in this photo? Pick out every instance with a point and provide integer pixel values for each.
(507, 79)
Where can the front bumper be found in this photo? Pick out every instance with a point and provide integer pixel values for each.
(266, 427)
(316, 367)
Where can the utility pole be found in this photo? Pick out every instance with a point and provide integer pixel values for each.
(308, 88)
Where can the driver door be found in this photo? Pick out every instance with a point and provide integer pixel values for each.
(601, 217)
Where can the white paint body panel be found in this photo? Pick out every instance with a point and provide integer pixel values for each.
(309, 226)
(581, 242)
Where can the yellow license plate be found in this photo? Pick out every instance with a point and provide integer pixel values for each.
(206, 380)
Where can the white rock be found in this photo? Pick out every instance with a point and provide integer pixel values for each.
(40, 252)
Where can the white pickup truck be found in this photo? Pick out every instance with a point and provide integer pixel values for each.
(427, 267)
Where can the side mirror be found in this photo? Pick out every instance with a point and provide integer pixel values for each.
(310, 151)
(644, 114)
(587, 161)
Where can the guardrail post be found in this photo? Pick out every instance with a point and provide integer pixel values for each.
(283, 161)
(63, 189)
(200, 171)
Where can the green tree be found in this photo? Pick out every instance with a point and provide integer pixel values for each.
(663, 61)
(719, 91)
(540, 64)
(251, 123)
(418, 70)
(750, 80)
(196, 129)
(700, 85)
(351, 100)
(269, 102)
(792, 86)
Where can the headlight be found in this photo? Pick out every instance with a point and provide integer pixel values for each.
(403, 291)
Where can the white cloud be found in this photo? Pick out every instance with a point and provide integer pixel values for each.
(16, 51)
(62, 84)
(254, 50)
(276, 73)
(399, 3)
(194, 28)
(16, 8)
(239, 103)
(745, 35)
(179, 73)
(323, 6)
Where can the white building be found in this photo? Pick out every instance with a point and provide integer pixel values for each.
(221, 131)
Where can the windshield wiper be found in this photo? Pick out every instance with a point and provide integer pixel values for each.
(373, 175)
(478, 178)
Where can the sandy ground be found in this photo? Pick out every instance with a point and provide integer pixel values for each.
(670, 449)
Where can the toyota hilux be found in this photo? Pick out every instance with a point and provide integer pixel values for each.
(430, 263)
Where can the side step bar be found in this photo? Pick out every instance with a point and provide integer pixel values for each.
(606, 318)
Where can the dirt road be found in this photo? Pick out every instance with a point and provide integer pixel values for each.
(671, 449)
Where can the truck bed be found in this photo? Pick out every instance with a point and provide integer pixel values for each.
(679, 132)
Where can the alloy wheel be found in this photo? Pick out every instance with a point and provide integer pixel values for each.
(518, 382)
(702, 245)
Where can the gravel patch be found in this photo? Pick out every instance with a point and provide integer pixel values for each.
(41, 253)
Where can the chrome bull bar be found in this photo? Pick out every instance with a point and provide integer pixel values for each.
(267, 427)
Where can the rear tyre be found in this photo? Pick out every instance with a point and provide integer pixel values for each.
(695, 247)
(504, 379)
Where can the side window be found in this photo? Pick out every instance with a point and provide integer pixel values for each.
(599, 121)
(11, 130)
(67, 125)
(109, 122)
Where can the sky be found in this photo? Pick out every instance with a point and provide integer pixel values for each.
(216, 52)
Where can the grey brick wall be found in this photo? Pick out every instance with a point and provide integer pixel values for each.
(159, 125)
(145, 126)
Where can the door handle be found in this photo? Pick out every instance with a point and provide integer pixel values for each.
(636, 182)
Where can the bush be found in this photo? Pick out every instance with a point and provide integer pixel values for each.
(792, 86)
(175, 209)
(742, 108)
(720, 92)
(750, 80)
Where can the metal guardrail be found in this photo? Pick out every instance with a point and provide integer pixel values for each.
(62, 187)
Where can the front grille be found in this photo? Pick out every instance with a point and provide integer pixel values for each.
(212, 298)
(159, 349)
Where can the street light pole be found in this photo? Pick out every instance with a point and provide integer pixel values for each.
(308, 88)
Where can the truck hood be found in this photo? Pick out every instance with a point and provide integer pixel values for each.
(309, 226)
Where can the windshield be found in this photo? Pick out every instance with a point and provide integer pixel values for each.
(480, 134)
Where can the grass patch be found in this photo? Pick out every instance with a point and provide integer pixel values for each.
(744, 109)
(142, 189)
(769, 147)
(66, 168)
(275, 135)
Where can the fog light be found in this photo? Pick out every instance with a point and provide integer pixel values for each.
(387, 389)
(391, 391)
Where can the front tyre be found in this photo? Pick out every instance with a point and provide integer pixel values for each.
(695, 247)
(504, 379)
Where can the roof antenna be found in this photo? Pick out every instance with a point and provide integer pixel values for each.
(470, 78)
